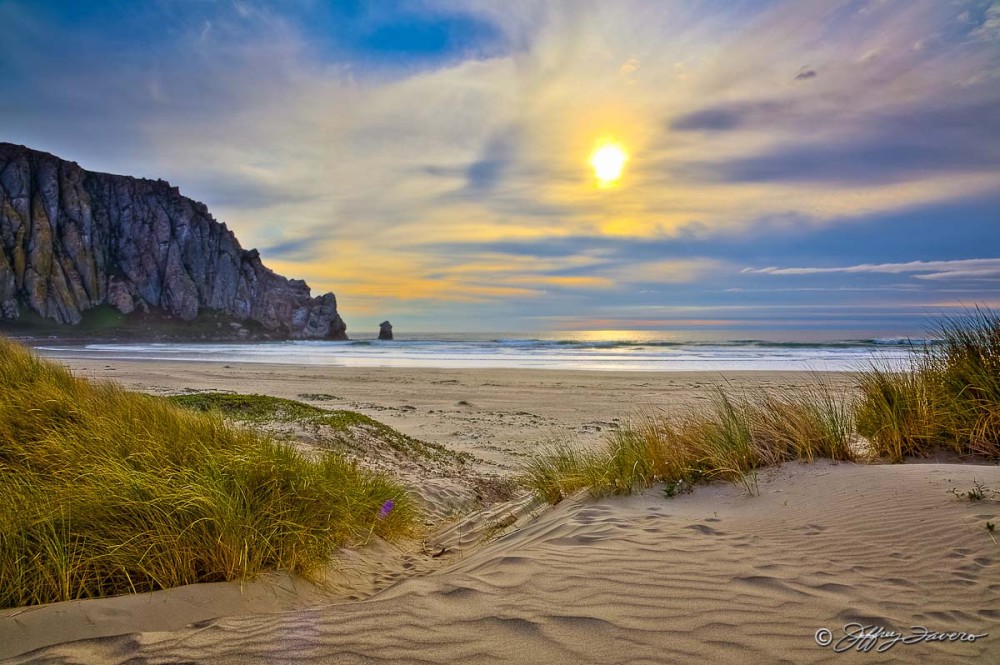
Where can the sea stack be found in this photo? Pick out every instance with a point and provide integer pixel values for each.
(72, 240)
(385, 330)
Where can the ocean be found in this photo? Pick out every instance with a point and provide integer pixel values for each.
(601, 350)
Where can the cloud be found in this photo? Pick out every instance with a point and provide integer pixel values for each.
(988, 28)
(247, 189)
(717, 119)
(940, 137)
(756, 114)
(975, 269)
(487, 171)
(806, 75)
(885, 160)
(297, 249)
(629, 67)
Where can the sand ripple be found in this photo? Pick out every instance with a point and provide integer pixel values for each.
(709, 576)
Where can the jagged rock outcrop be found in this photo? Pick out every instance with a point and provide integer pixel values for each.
(385, 330)
(73, 240)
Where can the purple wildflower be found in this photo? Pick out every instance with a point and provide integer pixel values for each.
(386, 509)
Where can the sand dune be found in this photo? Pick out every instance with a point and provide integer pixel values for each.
(714, 575)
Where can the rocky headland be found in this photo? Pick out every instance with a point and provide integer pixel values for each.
(130, 255)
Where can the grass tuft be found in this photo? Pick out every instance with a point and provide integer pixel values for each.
(105, 491)
(556, 471)
(949, 398)
(730, 440)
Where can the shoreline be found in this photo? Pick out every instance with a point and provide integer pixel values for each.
(625, 354)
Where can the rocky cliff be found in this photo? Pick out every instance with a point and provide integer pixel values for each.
(72, 240)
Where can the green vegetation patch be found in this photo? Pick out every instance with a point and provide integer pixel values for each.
(248, 408)
(349, 427)
(105, 491)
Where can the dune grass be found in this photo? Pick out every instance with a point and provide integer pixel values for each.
(730, 440)
(105, 491)
(948, 398)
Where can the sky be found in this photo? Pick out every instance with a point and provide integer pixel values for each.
(791, 165)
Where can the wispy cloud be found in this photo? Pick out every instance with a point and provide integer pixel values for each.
(936, 270)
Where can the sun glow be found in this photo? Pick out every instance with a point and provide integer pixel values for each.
(608, 160)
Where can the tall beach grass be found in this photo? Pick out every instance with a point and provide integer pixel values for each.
(732, 438)
(105, 491)
(948, 398)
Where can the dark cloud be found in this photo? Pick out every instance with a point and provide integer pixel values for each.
(234, 192)
(885, 148)
(859, 162)
(734, 116)
(300, 249)
(709, 119)
(486, 172)
(805, 75)
(947, 136)
(309, 244)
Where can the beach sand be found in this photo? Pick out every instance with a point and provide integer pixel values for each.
(499, 415)
(714, 574)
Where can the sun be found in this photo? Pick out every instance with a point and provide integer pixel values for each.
(608, 160)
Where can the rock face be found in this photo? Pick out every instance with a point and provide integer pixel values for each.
(72, 240)
(385, 330)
